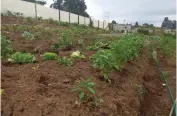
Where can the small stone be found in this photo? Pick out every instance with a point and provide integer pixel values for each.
(163, 84)
(66, 81)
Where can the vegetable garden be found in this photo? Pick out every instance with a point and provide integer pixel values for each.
(52, 68)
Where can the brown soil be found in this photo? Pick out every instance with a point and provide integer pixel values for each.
(136, 91)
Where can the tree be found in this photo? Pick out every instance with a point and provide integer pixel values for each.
(168, 24)
(74, 6)
(57, 4)
(113, 22)
(136, 24)
(146, 25)
(41, 2)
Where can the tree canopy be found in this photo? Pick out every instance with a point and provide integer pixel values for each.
(73, 6)
(136, 24)
(168, 24)
(41, 2)
(113, 22)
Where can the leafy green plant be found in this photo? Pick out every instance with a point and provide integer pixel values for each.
(96, 46)
(168, 45)
(104, 60)
(49, 56)
(21, 58)
(65, 40)
(86, 91)
(81, 43)
(65, 61)
(77, 55)
(120, 52)
(6, 48)
(28, 35)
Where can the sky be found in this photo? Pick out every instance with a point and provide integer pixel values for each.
(130, 11)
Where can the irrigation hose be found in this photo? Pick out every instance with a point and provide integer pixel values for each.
(154, 55)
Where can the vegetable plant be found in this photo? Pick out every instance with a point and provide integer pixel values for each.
(21, 58)
(6, 48)
(49, 56)
(28, 35)
(65, 61)
(96, 46)
(77, 55)
(86, 91)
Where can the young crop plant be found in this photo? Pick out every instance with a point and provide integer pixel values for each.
(6, 48)
(96, 46)
(65, 61)
(21, 58)
(77, 55)
(168, 46)
(81, 43)
(28, 35)
(65, 41)
(86, 91)
(49, 56)
(104, 60)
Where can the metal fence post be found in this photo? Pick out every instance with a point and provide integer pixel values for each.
(35, 7)
(84, 20)
(103, 24)
(98, 23)
(69, 17)
(78, 19)
(59, 13)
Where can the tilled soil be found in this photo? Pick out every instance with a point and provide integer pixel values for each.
(137, 90)
(47, 91)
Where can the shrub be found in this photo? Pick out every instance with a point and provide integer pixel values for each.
(49, 56)
(65, 61)
(21, 58)
(51, 21)
(86, 92)
(28, 35)
(66, 24)
(143, 31)
(6, 48)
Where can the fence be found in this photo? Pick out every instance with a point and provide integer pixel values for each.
(28, 9)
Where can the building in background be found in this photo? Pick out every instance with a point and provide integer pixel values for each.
(122, 27)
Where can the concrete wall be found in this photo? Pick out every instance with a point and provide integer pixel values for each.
(28, 10)
(95, 23)
(64, 16)
(18, 6)
(81, 20)
(101, 24)
(73, 18)
(87, 21)
(47, 13)
(121, 27)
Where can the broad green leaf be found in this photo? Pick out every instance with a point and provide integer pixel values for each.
(91, 90)
(81, 95)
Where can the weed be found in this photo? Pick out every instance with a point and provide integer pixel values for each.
(21, 58)
(6, 48)
(65, 61)
(66, 24)
(86, 92)
(49, 56)
(28, 35)
(143, 31)
(51, 21)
